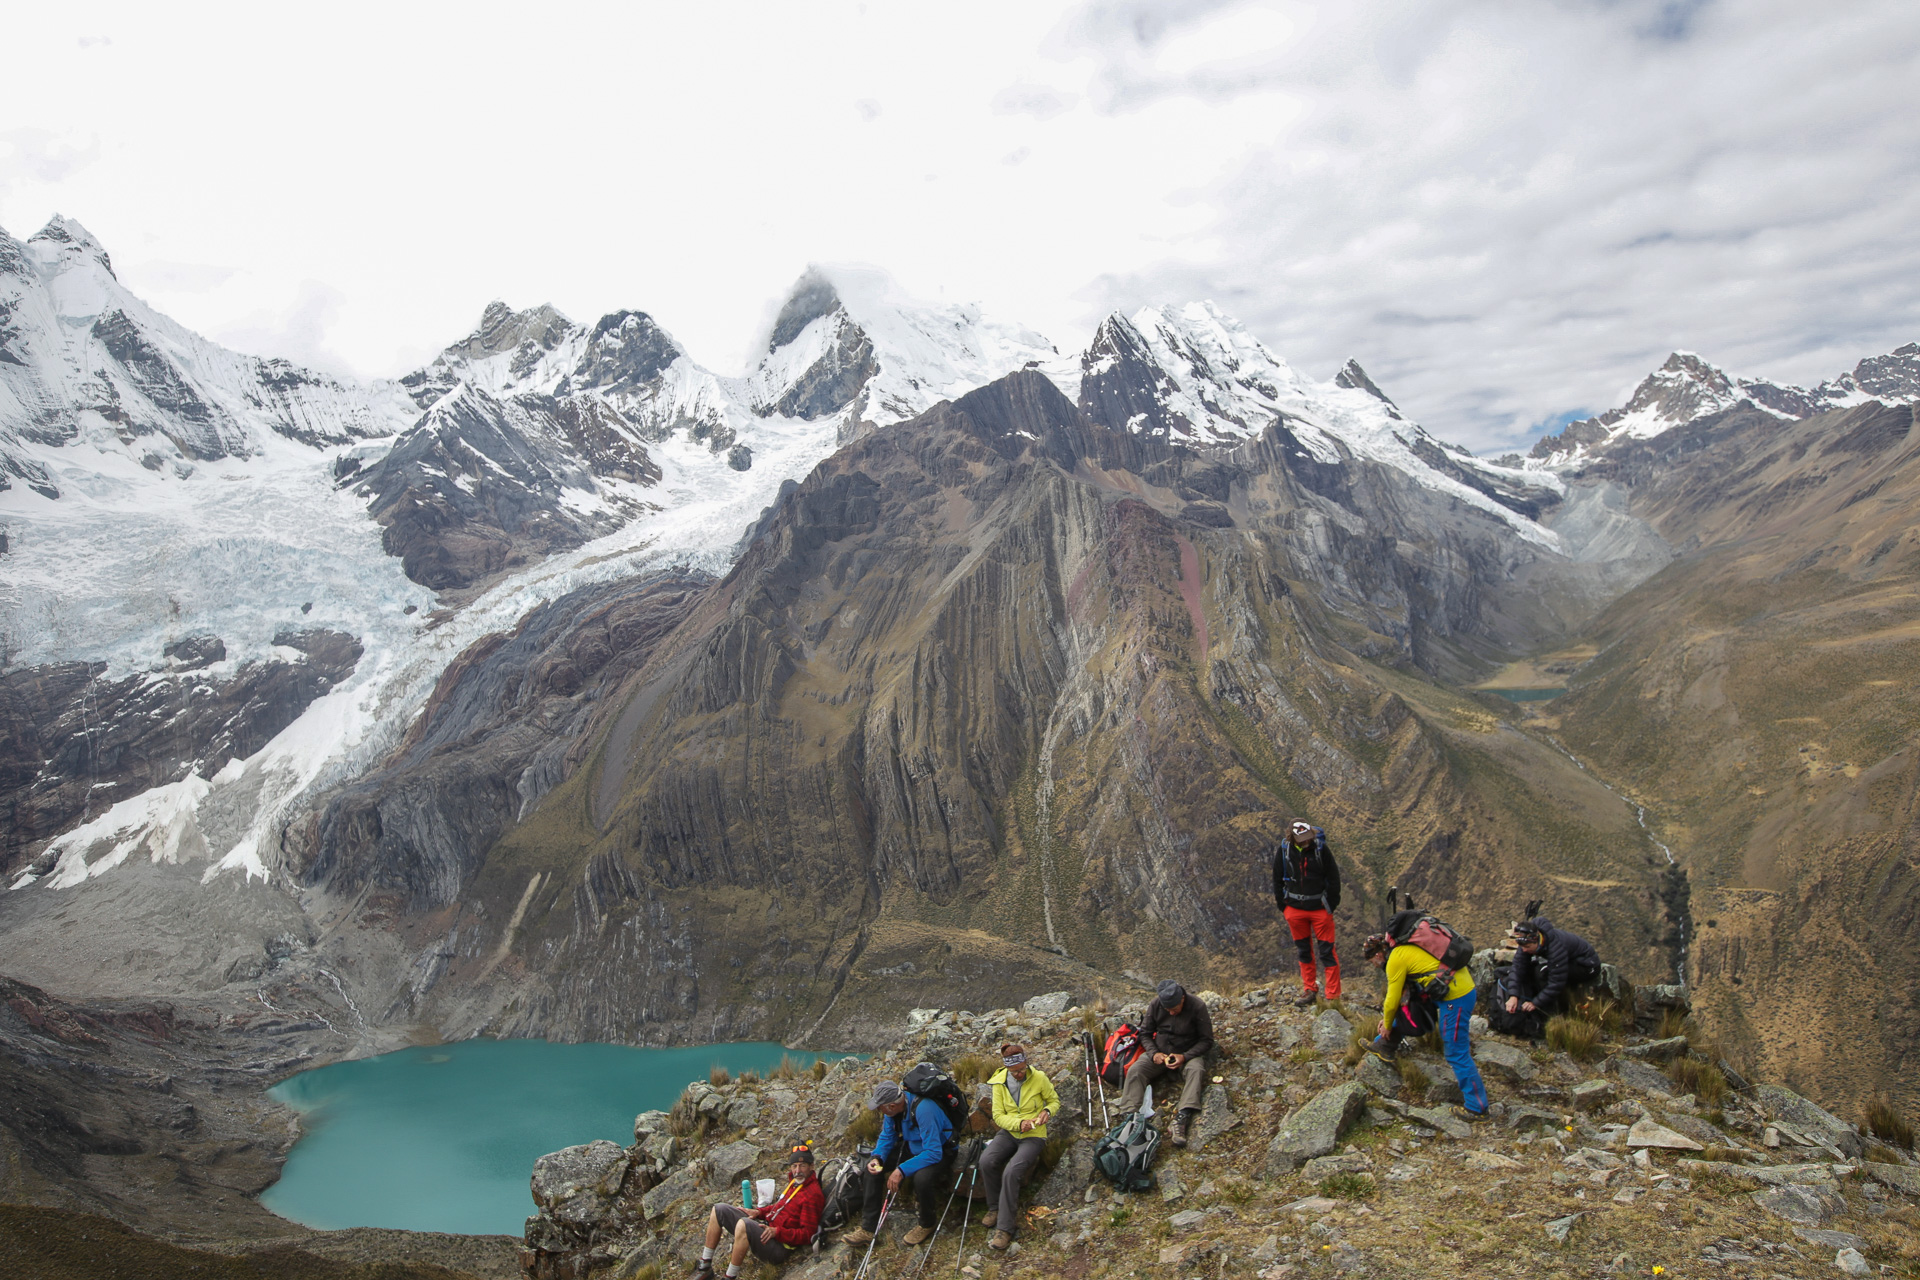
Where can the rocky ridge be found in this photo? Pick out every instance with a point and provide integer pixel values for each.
(1001, 678)
(1301, 1163)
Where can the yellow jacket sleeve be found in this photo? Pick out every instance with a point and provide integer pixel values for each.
(1396, 983)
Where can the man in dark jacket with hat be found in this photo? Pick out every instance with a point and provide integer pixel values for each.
(1547, 963)
(1178, 1034)
(1306, 884)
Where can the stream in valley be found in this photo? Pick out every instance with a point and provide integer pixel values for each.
(443, 1138)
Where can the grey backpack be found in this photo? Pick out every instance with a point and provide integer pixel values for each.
(1126, 1154)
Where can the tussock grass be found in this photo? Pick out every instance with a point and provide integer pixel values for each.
(685, 1120)
(719, 1076)
(1348, 1186)
(749, 1077)
(1303, 1054)
(1674, 1023)
(1357, 1045)
(1413, 1079)
(1603, 1011)
(820, 1069)
(788, 1069)
(1885, 1122)
(1700, 1078)
(1728, 1155)
(972, 1069)
(864, 1127)
(1575, 1037)
(652, 1271)
(1090, 1019)
(1237, 1191)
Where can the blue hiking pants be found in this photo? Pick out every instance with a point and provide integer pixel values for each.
(1454, 1015)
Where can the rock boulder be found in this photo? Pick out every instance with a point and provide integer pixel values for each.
(1316, 1128)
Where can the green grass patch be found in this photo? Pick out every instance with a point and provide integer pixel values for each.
(1349, 1186)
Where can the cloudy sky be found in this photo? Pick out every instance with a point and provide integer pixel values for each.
(1508, 212)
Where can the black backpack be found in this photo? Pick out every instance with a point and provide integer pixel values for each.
(929, 1081)
(1126, 1153)
(840, 1185)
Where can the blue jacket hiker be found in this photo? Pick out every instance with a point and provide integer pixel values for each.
(915, 1145)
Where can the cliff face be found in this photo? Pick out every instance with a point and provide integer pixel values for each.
(1003, 696)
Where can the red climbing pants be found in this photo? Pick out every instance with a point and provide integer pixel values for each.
(1313, 932)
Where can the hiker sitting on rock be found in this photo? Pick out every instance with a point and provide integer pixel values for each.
(1452, 1010)
(773, 1233)
(1178, 1031)
(915, 1143)
(1023, 1102)
(1548, 964)
(1306, 884)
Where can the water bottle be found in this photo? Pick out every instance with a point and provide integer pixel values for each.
(746, 1193)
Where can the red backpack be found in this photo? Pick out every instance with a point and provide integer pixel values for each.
(1123, 1046)
(1452, 949)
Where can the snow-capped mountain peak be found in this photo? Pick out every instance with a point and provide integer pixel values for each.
(63, 237)
(1687, 388)
(1195, 374)
(83, 360)
(849, 339)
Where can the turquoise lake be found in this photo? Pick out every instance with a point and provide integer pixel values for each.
(1526, 695)
(444, 1138)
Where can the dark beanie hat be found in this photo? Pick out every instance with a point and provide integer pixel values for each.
(1170, 993)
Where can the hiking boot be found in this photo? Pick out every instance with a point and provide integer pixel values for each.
(859, 1235)
(993, 1216)
(1471, 1117)
(702, 1270)
(919, 1236)
(1180, 1124)
(1000, 1240)
(1305, 999)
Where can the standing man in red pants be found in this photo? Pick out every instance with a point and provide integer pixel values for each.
(1306, 884)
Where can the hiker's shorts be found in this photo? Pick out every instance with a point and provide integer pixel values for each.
(760, 1241)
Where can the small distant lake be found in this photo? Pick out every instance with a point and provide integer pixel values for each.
(444, 1138)
(1526, 695)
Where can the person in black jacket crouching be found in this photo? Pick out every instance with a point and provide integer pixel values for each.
(1548, 965)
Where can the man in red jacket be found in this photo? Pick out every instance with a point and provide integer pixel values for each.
(773, 1233)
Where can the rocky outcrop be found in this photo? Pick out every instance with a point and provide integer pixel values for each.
(1295, 1171)
(482, 484)
(73, 740)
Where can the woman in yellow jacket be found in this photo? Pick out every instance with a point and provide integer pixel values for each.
(1410, 1010)
(1023, 1102)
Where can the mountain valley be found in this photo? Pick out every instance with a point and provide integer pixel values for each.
(565, 688)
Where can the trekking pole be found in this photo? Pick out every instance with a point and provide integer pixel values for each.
(1096, 1081)
(973, 1154)
(973, 1180)
(867, 1262)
